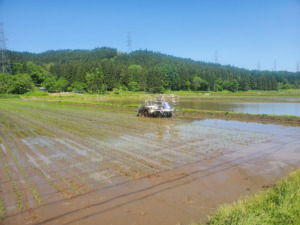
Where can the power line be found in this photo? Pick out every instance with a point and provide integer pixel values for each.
(5, 65)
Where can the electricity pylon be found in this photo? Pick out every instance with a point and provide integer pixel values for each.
(5, 65)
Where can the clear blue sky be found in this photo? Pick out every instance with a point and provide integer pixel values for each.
(244, 33)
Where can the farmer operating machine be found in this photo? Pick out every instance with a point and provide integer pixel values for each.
(156, 108)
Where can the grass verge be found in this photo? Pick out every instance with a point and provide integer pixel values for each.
(278, 205)
(9, 96)
(254, 93)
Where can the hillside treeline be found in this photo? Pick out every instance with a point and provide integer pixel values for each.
(102, 69)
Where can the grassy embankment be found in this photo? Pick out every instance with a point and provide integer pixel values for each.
(271, 94)
(245, 95)
(258, 96)
(277, 205)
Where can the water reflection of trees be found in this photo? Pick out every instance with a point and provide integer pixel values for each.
(165, 128)
(168, 128)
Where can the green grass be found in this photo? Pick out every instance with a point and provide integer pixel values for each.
(295, 93)
(256, 93)
(8, 96)
(36, 93)
(203, 95)
(278, 205)
(2, 209)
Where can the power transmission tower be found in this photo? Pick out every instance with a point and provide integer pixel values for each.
(274, 68)
(129, 42)
(216, 57)
(5, 65)
(258, 66)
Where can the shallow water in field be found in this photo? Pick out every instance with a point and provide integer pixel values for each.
(288, 107)
(276, 108)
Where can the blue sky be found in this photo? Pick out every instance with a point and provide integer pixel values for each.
(244, 33)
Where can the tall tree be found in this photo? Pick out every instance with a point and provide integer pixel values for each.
(95, 80)
(20, 84)
(5, 82)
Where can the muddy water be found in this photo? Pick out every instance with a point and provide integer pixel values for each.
(288, 107)
(106, 167)
(245, 158)
(276, 108)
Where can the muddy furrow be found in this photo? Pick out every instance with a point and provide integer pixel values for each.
(43, 170)
(24, 199)
(9, 198)
(72, 163)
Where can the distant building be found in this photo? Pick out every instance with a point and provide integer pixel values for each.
(43, 89)
(78, 91)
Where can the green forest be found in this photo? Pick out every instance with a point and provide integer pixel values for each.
(105, 69)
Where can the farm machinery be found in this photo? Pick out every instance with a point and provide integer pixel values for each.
(156, 108)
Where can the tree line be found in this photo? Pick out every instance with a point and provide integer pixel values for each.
(106, 69)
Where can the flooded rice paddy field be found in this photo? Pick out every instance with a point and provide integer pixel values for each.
(288, 106)
(80, 165)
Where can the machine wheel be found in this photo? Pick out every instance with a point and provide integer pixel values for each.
(146, 113)
(168, 114)
(156, 114)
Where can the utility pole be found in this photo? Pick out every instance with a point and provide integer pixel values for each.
(129, 42)
(5, 65)
(297, 67)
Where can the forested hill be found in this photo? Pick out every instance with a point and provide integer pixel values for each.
(105, 68)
